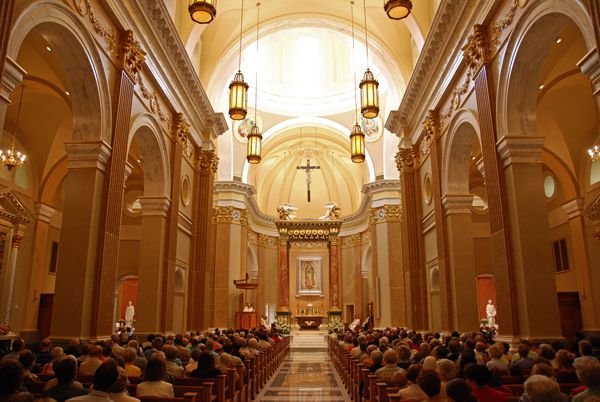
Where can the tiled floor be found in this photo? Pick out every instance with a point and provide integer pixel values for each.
(305, 376)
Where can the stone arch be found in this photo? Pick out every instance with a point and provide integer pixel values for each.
(517, 91)
(463, 131)
(77, 50)
(252, 263)
(148, 134)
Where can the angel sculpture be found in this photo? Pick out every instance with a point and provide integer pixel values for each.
(333, 211)
(286, 212)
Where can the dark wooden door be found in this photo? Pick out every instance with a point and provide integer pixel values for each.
(45, 314)
(570, 314)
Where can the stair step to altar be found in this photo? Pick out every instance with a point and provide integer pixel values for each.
(308, 340)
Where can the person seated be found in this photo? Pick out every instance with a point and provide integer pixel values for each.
(390, 358)
(587, 369)
(57, 354)
(118, 391)
(496, 352)
(43, 356)
(154, 384)
(404, 361)
(193, 362)
(413, 391)
(206, 367)
(565, 372)
(376, 360)
(447, 371)
(91, 364)
(74, 348)
(65, 388)
(477, 378)
(17, 346)
(459, 391)
(545, 370)
(523, 360)
(430, 383)
(104, 378)
(173, 368)
(11, 375)
(129, 357)
(540, 388)
(27, 360)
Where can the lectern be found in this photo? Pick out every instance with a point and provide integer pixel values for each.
(246, 320)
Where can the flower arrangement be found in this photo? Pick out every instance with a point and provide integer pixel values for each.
(283, 325)
(4, 330)
(335, 323)
(489, 331)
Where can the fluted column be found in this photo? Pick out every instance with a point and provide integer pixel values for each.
(38, 263)
(202, 260)
(9, 288)
(397, 284)
(284, 275)
(359, 304)
(334, 275)
(222, 278)
(461, 262)
(374, 269)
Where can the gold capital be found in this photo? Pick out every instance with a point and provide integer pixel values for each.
(208, 160)
(476, 51)
(407, 159)
(131, 57)
(17, 240)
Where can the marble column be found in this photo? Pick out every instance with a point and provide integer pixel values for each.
(9, 288)
(284, 275)
(222, 279)
(531, 257)
(12, 76)
(334, 275)
(39, 265)
(397, 284)
(83, 185)
(202, 259)
(413, 266)
(374, 292)
(462, 278)
(148, 312)
(581, 265)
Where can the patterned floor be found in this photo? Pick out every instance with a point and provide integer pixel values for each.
(305, 376)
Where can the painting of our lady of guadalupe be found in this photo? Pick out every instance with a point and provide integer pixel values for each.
(309, 275)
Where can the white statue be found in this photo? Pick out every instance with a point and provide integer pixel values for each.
(354, 323)
(129, 314)
(286, 211)
(490, 312)
(333, 211)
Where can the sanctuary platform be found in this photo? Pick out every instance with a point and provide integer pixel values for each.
(309, 340)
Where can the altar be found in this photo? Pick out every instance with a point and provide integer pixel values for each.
(309, 321)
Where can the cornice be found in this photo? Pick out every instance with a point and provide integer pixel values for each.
(170, 64)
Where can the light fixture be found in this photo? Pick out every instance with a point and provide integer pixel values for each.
(238, 89)
(253, 153)
(357, 137)
(369, 93)
(397, 9)
(67, 93)
(9, 157)
(203, 11)
(541, 87)
(558, 40)
(594, 153)
(48, 48)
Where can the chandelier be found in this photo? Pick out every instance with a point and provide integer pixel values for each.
(203, 11)
(238, 89)
(397, 9)
(369, 93)
(9, 157)
(594, 153)
(255, 137)
(357, 137)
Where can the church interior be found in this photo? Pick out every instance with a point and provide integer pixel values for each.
(431, 165)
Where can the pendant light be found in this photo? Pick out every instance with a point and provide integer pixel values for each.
(397, 9)
(594, 153)
(253, 154)
(357, 137)
(238, 89)
(202, 11)
(369, 93)
(9, 157)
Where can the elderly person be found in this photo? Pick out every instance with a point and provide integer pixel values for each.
(413, 391)
(496, 352)
(430, 383)
(129, 357)
(539, 388)
(171, 357)
(154, 384)
(459, 391)
(57, 354)
(390, 358)
(447, 371)
(118, 391)
(66, 387)
(587, 369)
(565, 372)
(91, 364)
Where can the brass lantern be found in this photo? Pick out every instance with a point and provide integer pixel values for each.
(397, 9)
(203, 11)
(254, 145)
(369, 96)
(238, 97)
(357, 144)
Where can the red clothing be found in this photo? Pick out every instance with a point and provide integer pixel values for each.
(488, 394)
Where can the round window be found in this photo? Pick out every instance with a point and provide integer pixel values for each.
(549, 186)
(428, 189)
(185, 190)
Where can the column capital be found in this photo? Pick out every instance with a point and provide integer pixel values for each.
(17, 240)
(476, 52)
(44, 212)
(407, 159)
(130, 57)
(457, 203)
(590, 67)
(520, 149)
(11, 77)
(155, 206)
(128, 170)
(208, 160)
(573, 208)
(88, 154)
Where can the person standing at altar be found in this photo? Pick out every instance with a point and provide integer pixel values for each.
(248, 308)
(354, 323)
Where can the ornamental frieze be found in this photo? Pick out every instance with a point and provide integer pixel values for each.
(309, 229)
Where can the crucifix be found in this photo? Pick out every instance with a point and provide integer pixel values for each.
(308, 168)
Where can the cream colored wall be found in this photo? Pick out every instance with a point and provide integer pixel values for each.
(348, 281)
(383, 270)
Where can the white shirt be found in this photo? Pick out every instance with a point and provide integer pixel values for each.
(160, 389)
(354, 324)
(122, 397)
(94, 396)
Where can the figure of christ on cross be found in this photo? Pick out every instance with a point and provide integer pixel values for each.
(308, 168)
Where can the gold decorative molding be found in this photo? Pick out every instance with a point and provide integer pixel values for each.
(242, 217)
(431, 129)
(407, 159)
(85, 9)
(223, 214)
(393, 213)
(208, 160)
(131, 57)
(504, 22)
(308, 230)
(593, 213)
(352, 240)
(266, 241)
(180, 130)
(152, 98)
(476, 52)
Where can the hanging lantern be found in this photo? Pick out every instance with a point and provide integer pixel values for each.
(369, 96)
(357, 144)
(397, 9)
(203, 11)
(238, 97)
(254, 145)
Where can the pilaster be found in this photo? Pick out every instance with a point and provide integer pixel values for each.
(222, 216)
(284, 275)
(334, 276)
(590, 67)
